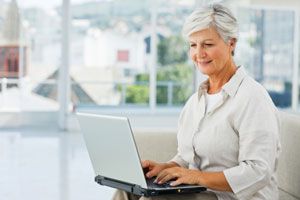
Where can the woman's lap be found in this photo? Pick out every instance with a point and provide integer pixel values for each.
(120, 195)
(195, 196)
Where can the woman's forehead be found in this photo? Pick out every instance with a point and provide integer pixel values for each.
(205, 34)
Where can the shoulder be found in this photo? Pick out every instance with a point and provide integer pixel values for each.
(252, 91)
(192, 99)
(190, 104)
(254, 107)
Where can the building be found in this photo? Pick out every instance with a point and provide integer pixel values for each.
(13, 49)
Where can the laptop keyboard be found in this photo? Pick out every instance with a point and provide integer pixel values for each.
(151, 184)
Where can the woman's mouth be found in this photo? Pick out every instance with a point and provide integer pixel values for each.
(204, 62)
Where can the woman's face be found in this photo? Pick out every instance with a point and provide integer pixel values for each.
(209, 51)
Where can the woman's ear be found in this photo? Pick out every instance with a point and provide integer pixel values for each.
(232, 44)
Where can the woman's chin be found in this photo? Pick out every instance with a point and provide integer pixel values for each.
(204, 70)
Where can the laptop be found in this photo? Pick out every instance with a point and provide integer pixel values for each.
(115, 159)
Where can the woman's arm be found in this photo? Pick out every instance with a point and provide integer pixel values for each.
(212, 180)
(215, 181)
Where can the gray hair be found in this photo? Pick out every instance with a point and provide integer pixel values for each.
(215, 15)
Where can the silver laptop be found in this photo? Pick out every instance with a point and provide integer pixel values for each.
(115, 159)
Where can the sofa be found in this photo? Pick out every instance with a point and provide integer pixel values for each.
(161, 147)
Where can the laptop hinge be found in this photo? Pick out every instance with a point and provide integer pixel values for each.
(128, 187)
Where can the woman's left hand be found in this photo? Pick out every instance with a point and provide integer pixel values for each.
(181, 176)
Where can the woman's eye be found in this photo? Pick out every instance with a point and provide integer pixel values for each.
(208, 45)
(192, 45)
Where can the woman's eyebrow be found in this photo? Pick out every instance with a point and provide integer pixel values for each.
(205, 40)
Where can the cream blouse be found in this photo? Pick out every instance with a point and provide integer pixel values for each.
(238, 136)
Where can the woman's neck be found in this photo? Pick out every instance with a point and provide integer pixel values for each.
(216, 81)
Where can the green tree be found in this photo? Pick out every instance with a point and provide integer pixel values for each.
(172, 57)
(138, 94)
(172, 50)
(179, 74)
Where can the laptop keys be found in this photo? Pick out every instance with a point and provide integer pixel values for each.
(150, 182)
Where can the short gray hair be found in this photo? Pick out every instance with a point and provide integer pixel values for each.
(214, 15)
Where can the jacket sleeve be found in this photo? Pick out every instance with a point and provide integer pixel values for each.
(257, 126)
(178, 158)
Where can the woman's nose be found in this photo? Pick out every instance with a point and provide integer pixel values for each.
(200, 52)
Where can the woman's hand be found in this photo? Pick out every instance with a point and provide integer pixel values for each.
(181, 176)
(212, 180)
(155, 168)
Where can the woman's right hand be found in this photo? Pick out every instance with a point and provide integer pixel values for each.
(153, 168)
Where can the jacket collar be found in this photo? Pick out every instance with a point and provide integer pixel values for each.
(230, 87)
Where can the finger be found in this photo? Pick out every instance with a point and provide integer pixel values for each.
(167, 178)
(153, 172)
(172, 170)
(150, 174)
(145, 163)
(177, 182)
(166, 175)
(162, 174)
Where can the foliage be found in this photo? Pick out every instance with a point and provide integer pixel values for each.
(172, 56)
(138, 94)
(180, 75)
(142, 78)
(171, 50)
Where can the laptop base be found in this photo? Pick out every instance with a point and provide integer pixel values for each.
(147, 192)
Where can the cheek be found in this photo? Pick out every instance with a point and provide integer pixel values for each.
(223, 54)
(218, 55)
(192, 55)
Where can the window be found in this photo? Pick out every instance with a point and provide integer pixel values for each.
(112, 57)
(111, 53)
(30, 46)
(122, 55)
(266, 48)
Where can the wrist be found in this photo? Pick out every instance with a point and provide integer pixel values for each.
(171, 164)
(200, 178)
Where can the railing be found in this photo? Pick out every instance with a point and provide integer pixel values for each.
(166, 89)
(96, 93)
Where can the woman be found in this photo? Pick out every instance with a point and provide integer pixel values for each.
(228, 131)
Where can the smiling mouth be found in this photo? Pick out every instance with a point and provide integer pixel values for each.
(205, 63)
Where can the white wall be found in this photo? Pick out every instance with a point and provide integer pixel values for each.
(100, 49)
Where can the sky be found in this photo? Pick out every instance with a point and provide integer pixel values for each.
(44, 3)
(54, 3)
